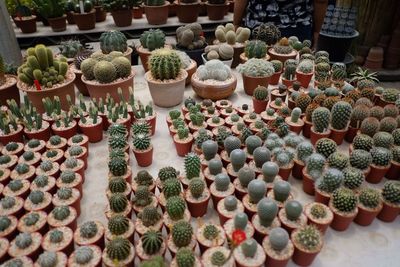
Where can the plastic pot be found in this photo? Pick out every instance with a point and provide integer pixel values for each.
(85, 21)
(336, 46)
(58, 24)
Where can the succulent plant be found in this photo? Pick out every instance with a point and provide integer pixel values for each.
(31, 218)
(141, 142)
(118, 249)
(383, 139)
(215, 166)
(47, 259)
(261, 93)
(192, 166)
(391, 192)
(149, 216)
(166, 173)
(363, 141)
(222, 182)
(256, 67)
(210, 149)
(202, 137)
(23, 240)
(344, 200)
(281, 190)
(117, 185)
(56, 236)
(28, 155)
(249, 248)
(22, 168)
(340, 116)
(172, 187)
(253, 142)
(185, 257)
(117, 141)
(293, 210)
(255, 49)
(309, 237)
(5, 222)
(381, 156)
(36, 197)
(267, 210)
(369, 126)
(388, 124)
(304, 150)
(240, 220)
(68, 176)
(8, 202)
(261, 155)
(360, 159)
(325, 147)
(60, 213)
(46, 165)
(15, 185)
(330, 181)
(83, 255)
(390, 95)
(338, 160)
(140, 127)
(143, 196)
(210, 232)
(117, 129)
(152, 241)
(238, 158)
(245, 176)
(117, 166)
(176, 207)
(230, 203)
(196, 187)
(353, 178)
(257, 190)
(118, 224)
(88, 229)
(376, 112)
(359, 113)
(318, 211)
(369, 197)
(278, 238)
(320, 119)
(182, 233)
(315, 164)
(118, 202)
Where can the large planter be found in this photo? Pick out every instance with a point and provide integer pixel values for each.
(85, 21)
(60, 90)
(101, 14)
(78, 81)
(336, 46)
(26, 24)
(188, 13)
(161, 92)
(217, 91)
(251, 83)
(216, 12)
(9, 90)
(58, 24)
(281, 57)
(122, 18)
(100, 90)
(157, 15)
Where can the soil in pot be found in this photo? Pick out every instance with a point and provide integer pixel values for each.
(321, 223)
(301, 255)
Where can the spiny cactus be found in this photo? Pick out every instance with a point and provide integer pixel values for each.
(83, 255)
(31, 218)
(222, 182)
(391, 192)
(325, 147)
(261, 93)
(8, 202)
(166, 173)
(352, 178)
(142, 197)
(152, 39)
(117, 166)
(210, 149)
(60, 213)
(245, 176)
(118, 224)
(218, 258)
(360, 159)
(388, 124)
(152, 241)
(309, 237)
(318, 211)
(118, 249)
(118, 202)
(192, 165)
(363, 141)
(240, 220)
(36, 197)
(117, 141)
(56, 236)
(320, 119)
(185, 257)
(75, 150)
(5, 222)
(330, 181)
(196, 187)
(383, 139)
(46, 165)
(369, 197)
(381, 156)
(182, 232)
(113, 41)
(117, 185)
(88, 229)
(149, 216)
(117, 129)
(267, 210)
(48, 259)
(210, 232)
(344, 200)
(22, 168)
(23, 240)
(338, 160)
(15, 185)
(369, 126)
(141, 127)
(68, 176)
(341, 113)
(164, 64)
(304, 150)
(255, 49)
(175, 207)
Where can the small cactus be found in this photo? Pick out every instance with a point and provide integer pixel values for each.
(172, 187)
(325, 147)
(118, 249)
(47, 259)
(23, 240)
(149, 216)
(293, 210)
(269, 170)
(391, 192)
(60, 213)
(143, 196)
(338, 160)
(330, 181)
(192, 166)
(185, 257)
(353, 178)
(118, 202)
(118, 224)
(88, 229)
(56, 236)
(318, 211)
(344, 200)
(196, 187)
(267, 210)
(240, 220)
(167, 172)
(369, 197)
(278, 238)
(249, 248)
(176, 207)
(210, 232)
(381, 156)
(152, 241)
(257, 190)
(182, 232)
(308, 237)
(360, 159)
(281, 190)
(245, 176)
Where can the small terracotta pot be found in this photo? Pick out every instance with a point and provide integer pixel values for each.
(216, 12)
(183, 147)
(85, 21)
(137, 12)
(284, 173)
(321, 197)
(322, 226)
(291, 103)
(394, 171)
(295, 126)
(307, 128)
(314, 136)
(101, 14)
(16, 136)
(198, 209)
(377, 173)
(288, 83)
(237, 50)
(297, 170)
(259, 105)
(304, 78)
(144, 158)
(70, 18)
(340, 221)
(157, 15)
(337, 135)
(93, 132)
(351, 133)
(302, 257)
(274, 79)
(190, 70)
(122, 18)
(43, 134)
(389, 212)
(58, 24)
(251, 83)
(66, 133)
(188, 13)
(26, 25)
(366, 216)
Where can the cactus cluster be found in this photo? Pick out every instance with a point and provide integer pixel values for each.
(255, 49)
(228, 34)
(219, 51)
(214, 70)
(113, 41)
(190, 36)
(330, 181)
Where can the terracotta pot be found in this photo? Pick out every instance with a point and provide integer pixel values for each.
(251, 83)
(377, 173)
(144, 158)
(172, 9)
(183, 148)
(274, 79)
(203, 9)
(43, 134)
(58, 24)
(307, 128)
(190, 70)
(27, 25)
(9, 91)
(341, 221)
(297, 170)
(295, 126)
(157, 15)
(93, 132)
(288, 83)
(216, 12)
(394, 171)
(213, 92)
(304, 78)
(78, 81)
(144, 55)
(101, 14)
(100, 90)
(188, 13)
(198, 209)
(70, 18)
(321, 225)
(66, 133)
(281, 57)
(122, 18)
(302, 257)
(161, 92)
(389, 212)
(366, 216)
(273, 260)
(284, 173)
(259, 105)
(314, 136)
(137, 12)
(85, 21)
(16, 136)
(321, 197)
(351, 133)
(62, 91)
(337, 135)
(238, 49)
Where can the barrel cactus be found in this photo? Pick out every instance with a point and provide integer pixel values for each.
(340, 115)
(369, 197)
(88, 229)
(47, 259)
(175, 207)
(267, 210)
(308, 237)
(172, 187)
(344, 200)
(360, 159)
(363, 141)
(118, 202)
(278, 238)
(23, 240)
(192, 165)
(118, 249)
(152, 241)
(338, 160)
(325, 147)
(281, 190)
(117, 185)
(381, 156)
(185, 257)
(269, 171)
(164, 64)
(182, 233)
(315, 164)
(320, 119)
(391, 192)
(143, 196)
(152, 39)
(118, 224)
(257, 190)
(36, 197)
(196, 187)
(222, 182)
(113, 41)
(353, 178)
(330, 181)
(293, 210)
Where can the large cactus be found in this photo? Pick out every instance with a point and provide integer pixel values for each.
(164, 64)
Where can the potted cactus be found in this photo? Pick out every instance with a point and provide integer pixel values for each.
(358, 114)
(53, 12)
(197, 197)
(304, 72)
(13, 148)
(183, 141)
(120, 226)
(320, 128)
(51, 257)
(185, 256)
(324, 187)
(260, 99)
(340, 117)
(24, 260)
(381, 160)
(250, 254)
(282, 51)
(44, 183)
(391, 201)
(277, 247)
(221, 188)
(319, 215)
(11, 131)
(265, 219)
(23, 171)
(92, 126)
(217, 256)
(35, 146)
(292, 216)
(26, 244)
(8, 226)
(68, 178)
(85, 16)
(175, 210)
(23, 17)
(190, 39)
(216, 9)
(143, 197)
(7, 162)
(142, 149)
(86, 255)
(303, 151)
(369, 205)
(223, 52)
(254, 49)
(308, 242)
(148, 219)
(343, 204)
(34, 221)
(143, 178)
(255, 72)
(17, 188)
(294, 121)
(68, 196)
(8, 85)
(63, 216)
(66, 126)
(278, 67)
(210, 235)
(90, 233)
(75, 67)
(121, 11)
(181, 236)
(228, 207)
(156, 11)
(149, 41)
(78, 152)
(197, 121)
(118, 205)
(239, 222)
(389, 96)
(38, 200)
(395, 163)
(257, 190)
(59, 239)
(284, 159)
(118, 185)
(165, 83)
(151, 244)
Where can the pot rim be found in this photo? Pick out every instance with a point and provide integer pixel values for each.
(65, 84)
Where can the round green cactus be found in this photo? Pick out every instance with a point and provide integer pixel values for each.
(369, 126)
(261, 93)
(60, 213)
(118, 224)
(166, 173)
(36, 197)
(267, 210)
(118, 202)
(71, 163)
(320, 119)
(381, 156)
(141, 142)
(318, 211)
(141, 127)
(396, 137)
(309, 237)
(369, 197)
(218, 258)
(64, 193)
(28, 155)
(176, 207)
(5, 222)
(152, 241)
(118, 249)
(278, 238)
(383, 139)
(325, 147)
(142, 197)
(172, 187)
(33, 143)
(231, 143)
(391, 192)
(181, 233)
(56, 236)
(31, 218)
(117, 185)
(143, 177)
(48, 259)
(8, 202)
(117, 141)
(22, 168)
(249, 248)
(315, 165)
(117, 166)
(281, 190)
(252, 142)
(363, 141)
(240, 220)
(215, 166)
(192, 165)
(269, 170)
(185, 257)
(68, 176)
(196, 187)
(83, 255)
(344, 200)
(113, 41)
(245, 176)
(11, 146)
(353, 178)
(293, 210)
(338, 160)
(46, 165)
(149, 216)
(23, 240)
(117, 129)
(330, 181)
(152, 39)
(88, 229)
(15, 185)
(164, 64)
(255, 49)
(341, 113)
(210, 149)
(210, 232)
(230, 203)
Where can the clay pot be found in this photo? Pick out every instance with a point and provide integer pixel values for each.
(67, 88)
(281, 57)
(43, 134)
(100, 90)
(314, 136)
(161, 92)
(216, 12)
(78, 81)
(251, 83)
(274, 79)
(157, 15)
(394, 171)
(351, 133)
(66, 133)
(307, 128)
(213, 92)
(288, 83)
(190, 70)
(58, 24)
(172, 8)
(9, 90)
(322, 225)
(321, 197)
(280, 261)
(122, 18)
(389, 212)
(188, 13)
(183, 147)
(137, 12)
(16, 136)
(295, 126)
(259, 105)
(26, 24)
(197, 208)
(337, 135)
(284, 172)
(304, 78)
(144, 55)
(85, 21)
(101, 14)
(366, 216)
(341, 221)
(297, 170)
(144, 158)
(302, 257)
(377, 173)
(93, 132)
